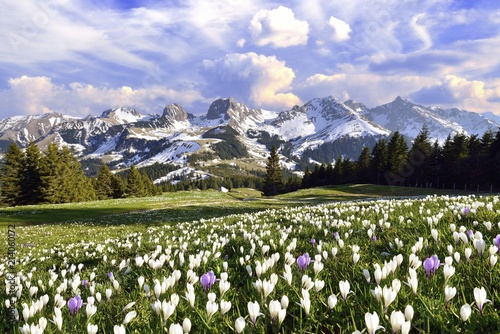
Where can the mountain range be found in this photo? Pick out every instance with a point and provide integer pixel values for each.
(230, 129)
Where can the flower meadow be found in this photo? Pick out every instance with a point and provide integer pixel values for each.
(414, 265)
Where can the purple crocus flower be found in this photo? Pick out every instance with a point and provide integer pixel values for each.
(85, 283)
(110, 275)
(465, 211)
(336, 235)
(303, 261)
(207, 280)
(74, 304)
(431, 264)
(313, 242)
(496, 242)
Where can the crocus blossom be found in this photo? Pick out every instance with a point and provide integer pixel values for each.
(303, 261)
(207, 280)
(74, 304)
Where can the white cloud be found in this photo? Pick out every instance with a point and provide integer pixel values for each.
(421, 31)
(341, 29)
(265, 80)
(278, 28)
(367, 88)
(455, 91)
(35, 95)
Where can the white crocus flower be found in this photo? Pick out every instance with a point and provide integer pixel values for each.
(254, 311)
(465, 312)
(480, 298)
(372, 322)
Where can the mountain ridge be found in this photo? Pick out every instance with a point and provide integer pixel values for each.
(125, 136)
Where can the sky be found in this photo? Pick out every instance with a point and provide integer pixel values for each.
(81, 57)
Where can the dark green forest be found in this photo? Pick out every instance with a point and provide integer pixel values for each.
(56, 176)
(462, 162)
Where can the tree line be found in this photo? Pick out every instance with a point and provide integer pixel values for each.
(460, 162)
(30, 177)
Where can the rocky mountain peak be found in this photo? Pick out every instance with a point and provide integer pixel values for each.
(219, 108)
(174, 112)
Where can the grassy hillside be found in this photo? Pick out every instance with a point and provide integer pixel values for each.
(414, 265)
(192, 205)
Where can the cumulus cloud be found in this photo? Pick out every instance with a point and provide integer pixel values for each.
(262, 80)
(453, 90)
(341, 29)
(35, 95)
(353, 85)
(278, 28)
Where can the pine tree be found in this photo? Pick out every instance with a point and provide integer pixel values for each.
(30, 179)
(119, 186)
(418, 157)
(494, 155)
(104, 183)
(306, 180)
(273, 183)
(434, 165)
(76, 187)
(397, 152)
(52, 175)
(378, 162)
(135, 186)
(363, 166)
(11, 176)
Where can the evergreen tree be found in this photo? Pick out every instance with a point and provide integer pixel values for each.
(135, 186)
(494, 155)
(434, 166)
(30, 178)
(11, 176)
(306, 180)
(397, 152)
(363, 166)
(119, 186)
(455, 154)
(338, 172)
(273, 183)
(418, 157)
(76, 187)
(378, 162)
(348, 171)
(104, 183)
(52, 175)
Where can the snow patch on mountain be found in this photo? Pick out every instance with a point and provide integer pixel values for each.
(183, 173)
(175, 154)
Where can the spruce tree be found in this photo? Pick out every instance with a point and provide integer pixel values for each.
(378, 162)
(51, 175)
(11, 176)
(273, 183)
(104, 183)
(30, 178)
(306, 180)
(76, 187)
(418, 157)
(135, 186)
(363, 166)
(397, 152)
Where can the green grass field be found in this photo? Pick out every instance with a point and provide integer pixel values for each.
(192, 205)
(140, 265)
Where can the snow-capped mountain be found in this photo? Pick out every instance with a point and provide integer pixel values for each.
(124, 136)
(408, 118)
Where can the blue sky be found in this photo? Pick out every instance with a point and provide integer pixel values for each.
(81, 57)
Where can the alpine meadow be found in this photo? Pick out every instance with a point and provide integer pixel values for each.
(250, 167)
